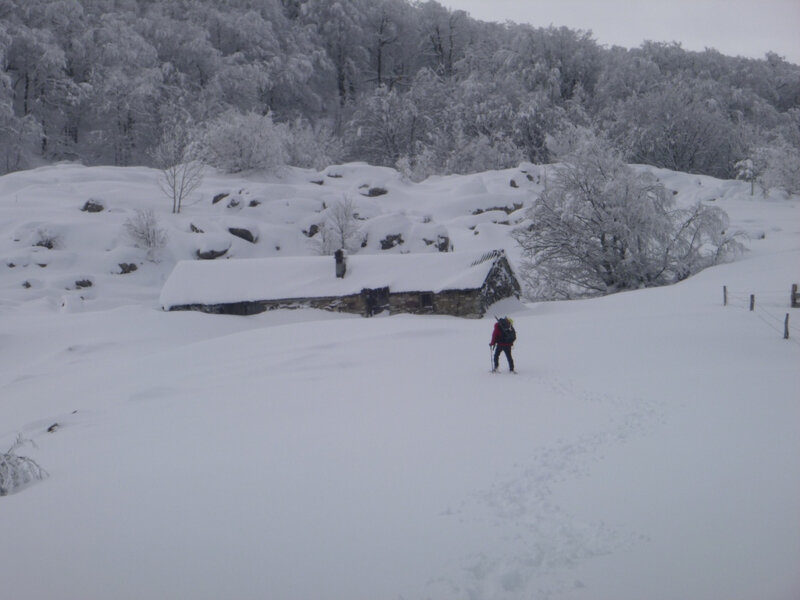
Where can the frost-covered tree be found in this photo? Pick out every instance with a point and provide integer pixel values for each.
(310, 147)
(340, 230)
(532, 125)
(125, 91)
(384, 29)
(473, 154)
(678, 126)
(444, 35)
(235, 142)
(92, 80)
(20, 138)
(746, 170)
(340, 27)
(182, 45)
(779, 167)
(601, 227)
(20, 141)
(624, 74)
(266, 60)
(384, 128)
(558, 61)
(42, 88)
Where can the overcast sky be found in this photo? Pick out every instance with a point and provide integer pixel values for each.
(734, 27)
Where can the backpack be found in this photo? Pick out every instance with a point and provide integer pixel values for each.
(507, 333)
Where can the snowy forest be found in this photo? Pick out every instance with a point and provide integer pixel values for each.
(244, 84)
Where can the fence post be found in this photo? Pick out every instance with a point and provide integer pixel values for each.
(795, 302)
(752, 302)
(724, 295)
(786, 327)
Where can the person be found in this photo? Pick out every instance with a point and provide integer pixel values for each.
(503, 338)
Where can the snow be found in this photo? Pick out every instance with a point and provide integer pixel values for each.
(648, 448)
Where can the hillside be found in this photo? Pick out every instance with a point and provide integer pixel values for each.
(470, 212)
(409, 85)
(648, 448)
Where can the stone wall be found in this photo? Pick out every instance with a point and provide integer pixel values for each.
(459, 303)
(349, 304)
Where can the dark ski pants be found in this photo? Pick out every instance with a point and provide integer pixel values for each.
(507, 349)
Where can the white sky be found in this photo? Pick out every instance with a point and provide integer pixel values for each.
(734, 27)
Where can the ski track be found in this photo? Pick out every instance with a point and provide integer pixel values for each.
(532, 535)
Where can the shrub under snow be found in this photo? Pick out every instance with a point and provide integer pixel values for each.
(145, 232)
(18, 471)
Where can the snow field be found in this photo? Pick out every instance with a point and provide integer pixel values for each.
(648, 447)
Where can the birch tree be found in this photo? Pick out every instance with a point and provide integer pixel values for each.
(181, 173)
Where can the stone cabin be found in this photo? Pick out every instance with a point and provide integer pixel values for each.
(452, 283)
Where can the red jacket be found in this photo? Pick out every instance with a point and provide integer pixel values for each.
(496, 335)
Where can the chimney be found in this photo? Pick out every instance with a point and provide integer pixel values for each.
(341, 263)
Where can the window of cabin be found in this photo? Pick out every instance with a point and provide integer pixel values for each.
(426, 300)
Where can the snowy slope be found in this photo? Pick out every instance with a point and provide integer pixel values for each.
(649, 447)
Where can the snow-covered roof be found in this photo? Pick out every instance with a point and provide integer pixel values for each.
(254, 279)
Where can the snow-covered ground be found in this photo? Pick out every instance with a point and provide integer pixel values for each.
(648, 448)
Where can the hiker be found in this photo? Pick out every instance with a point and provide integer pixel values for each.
(503, 338)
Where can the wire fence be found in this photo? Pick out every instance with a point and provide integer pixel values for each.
(770, 307)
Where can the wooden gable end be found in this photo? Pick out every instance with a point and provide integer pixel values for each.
(500, 283)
